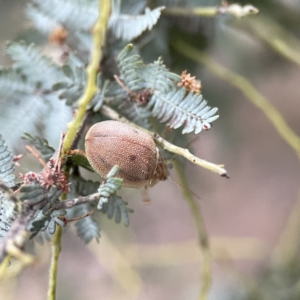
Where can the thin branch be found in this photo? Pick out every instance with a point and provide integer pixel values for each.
(77, 201)
(56, 248)
(66, 221)
(286, 133)
(279, 39)
(80, 130)
(219, 169)
(202, 236)
(233, 9)
(4, 264)
(287, 249)
(36, 155)
(98, 36)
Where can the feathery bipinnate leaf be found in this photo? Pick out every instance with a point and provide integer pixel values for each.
(40, 144)
(41, 21)
(34, 112)
(116, 207)
(74, 14)
(109, 187)
(12, 84)
(40, 201)
(128, 27)
(7, 214)
(8, 209)
(37, 196)
(46, 221)
(6, 165)
(78, 15)
(27, 84)
(37, 68)
(87, 228)
(179, 108)
(7, 206)
(137, 114)
(110, 203)
(71, 87)
(166, 100)
(82, 187)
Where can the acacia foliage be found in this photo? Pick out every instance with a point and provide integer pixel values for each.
(48, 90)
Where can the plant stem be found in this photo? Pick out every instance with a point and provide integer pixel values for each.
(195, 11)
(279, 39)
(3, 266)
(287, 248)
(56, 248)
(286, 133)
(234, 9)
(201, 233)
(98, 35)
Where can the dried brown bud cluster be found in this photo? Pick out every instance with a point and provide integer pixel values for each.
(190, 83)
(58, 36)
(49, 177)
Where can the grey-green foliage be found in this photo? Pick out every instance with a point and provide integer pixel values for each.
(6, 165)
(80, 16)
(87, 228)
(167, 102)
(75, 14)
(127, 27)
(40, 144)
(38, 69)
(7, 214)
(7, 207)
(27, 84)
(109, 187)
(117, 208)
(41, 200)
(12, 84)
(35, 83)
(71, 86)
(82, 187)
(46, 220)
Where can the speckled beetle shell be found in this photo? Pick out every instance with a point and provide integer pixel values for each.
(112, 143)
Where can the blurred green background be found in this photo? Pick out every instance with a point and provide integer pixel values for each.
(157, 257)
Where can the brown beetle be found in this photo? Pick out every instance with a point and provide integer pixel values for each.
(112, 143)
